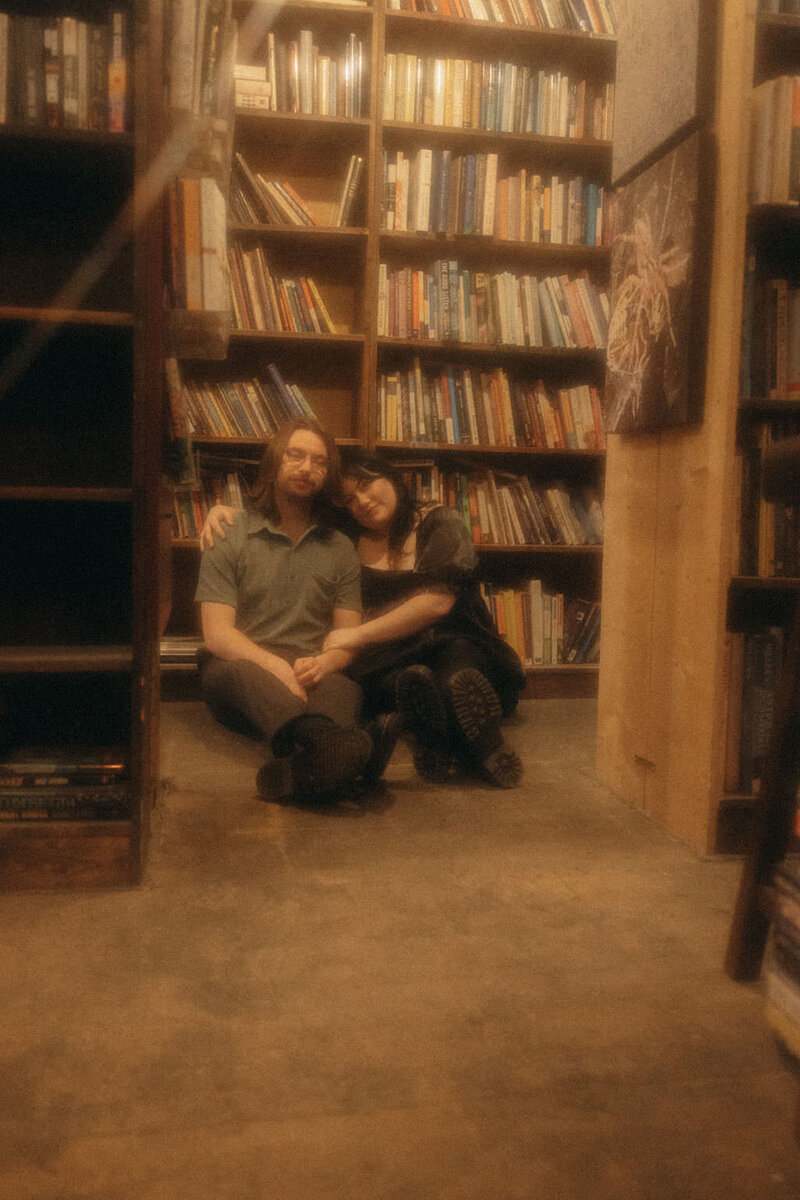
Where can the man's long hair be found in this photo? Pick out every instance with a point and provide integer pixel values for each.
(328, 499)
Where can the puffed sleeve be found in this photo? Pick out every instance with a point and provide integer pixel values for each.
(445, 553)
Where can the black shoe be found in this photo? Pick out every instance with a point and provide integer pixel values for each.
(274, 780)
(477, 712)
(331, 758)
(384, 730)
(424, 718)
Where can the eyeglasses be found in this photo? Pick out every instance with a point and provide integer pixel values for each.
(317, 462)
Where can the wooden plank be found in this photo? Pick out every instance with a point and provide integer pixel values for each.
(66, 855)
(623, 736)
(676, 551)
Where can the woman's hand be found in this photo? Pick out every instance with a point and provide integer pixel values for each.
(310, 671)
(218, 517)
(343, 639)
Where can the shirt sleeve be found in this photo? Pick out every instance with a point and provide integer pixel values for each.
(445, 553)
(348, 590)
(217, 582)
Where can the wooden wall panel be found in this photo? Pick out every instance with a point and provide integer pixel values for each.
(627, 599)
(677, 554)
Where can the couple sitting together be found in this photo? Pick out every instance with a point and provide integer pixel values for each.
(289, 657)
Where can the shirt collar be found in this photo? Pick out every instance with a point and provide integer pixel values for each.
(258, 522)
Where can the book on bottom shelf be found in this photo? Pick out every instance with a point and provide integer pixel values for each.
(64, 783)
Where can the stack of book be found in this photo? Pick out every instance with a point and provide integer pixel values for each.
(66, 73)
(589, 16)
(242, 407)
(431, 191)
(753, 665)
(770, 358)
(543, 628)
(470, 406)
(64, 783)
(769, 531)
(306, 77)
(447, 302)
(782, 964)
(502, 97)
(180, 650)
(256, 199)
(775, 141)
(501, 509)
(198, 241)
(199, 56)
(263, 301)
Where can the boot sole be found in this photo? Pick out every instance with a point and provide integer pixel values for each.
(424, 718)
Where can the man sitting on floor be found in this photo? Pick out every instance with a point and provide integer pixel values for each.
(269, 593)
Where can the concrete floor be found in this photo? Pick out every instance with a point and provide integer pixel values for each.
(453, 993)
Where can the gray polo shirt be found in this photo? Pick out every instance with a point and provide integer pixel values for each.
(284, 595)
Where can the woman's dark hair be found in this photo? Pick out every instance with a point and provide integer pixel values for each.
(262, 493)
(363, 465)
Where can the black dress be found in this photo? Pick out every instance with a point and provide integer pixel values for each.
(446, 560)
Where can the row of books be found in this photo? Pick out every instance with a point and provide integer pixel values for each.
(256, 199)
(66, 73)
(782, 960)
(470, 406)
(191, 503)
(779, 6)
(243, 407)
(180, 648)
(769, 532)
(543, 628)
(447, 302)
(753, 664)
(265, 301)
(770, 358)
(589, 16)
(305, 77)
(775, 141)
(198, 244)
(64, 783)
(503, 97)
(200, 49)
(431, 191)
(502, 509)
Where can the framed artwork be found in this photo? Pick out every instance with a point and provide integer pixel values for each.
(660, 266)
(665, 79)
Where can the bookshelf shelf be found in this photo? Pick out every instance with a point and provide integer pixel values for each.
(535, 145)
(86, 495)
(756, 583)
(501, 451)
(326, 235)
(285, 126)
(33, 136)
(64, 659)
(473, 246)
(558, 551)
(265, 335)
(464, 349)
(560, 43)
(81, 341)
(64, 316)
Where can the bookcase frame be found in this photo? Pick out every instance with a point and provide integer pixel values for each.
(99, 479)
(363, 246)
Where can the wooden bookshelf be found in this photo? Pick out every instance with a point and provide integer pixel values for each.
(339, 372)
(80, 400)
